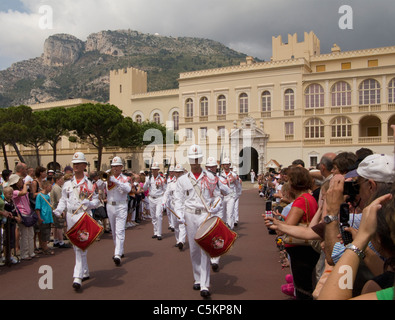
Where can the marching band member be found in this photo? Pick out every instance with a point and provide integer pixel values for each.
(168, 203)
(170, 217)
(196, 193)
(238, 195)
(211, 165)
(235, 187)
(118, 187)
(157, 187)
(78, 197)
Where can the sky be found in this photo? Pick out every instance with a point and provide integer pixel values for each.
(243, 25)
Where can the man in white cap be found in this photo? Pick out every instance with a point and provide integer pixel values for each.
(78, 193)
(118, 187)
(374, 176)
(168, 203)
(196, 196)
(230, 199)
(156, 185)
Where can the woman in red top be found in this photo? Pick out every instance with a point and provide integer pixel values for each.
(303, 258)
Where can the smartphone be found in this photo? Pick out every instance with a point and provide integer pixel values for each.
(343, 219)
(268, 209)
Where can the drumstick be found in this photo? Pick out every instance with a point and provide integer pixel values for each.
(175, 214)
(81, 204)
(46, 201)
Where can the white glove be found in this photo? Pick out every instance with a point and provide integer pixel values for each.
(57, 213)
(217, 204)
(85, 203)
(113, 180)
(181, 220)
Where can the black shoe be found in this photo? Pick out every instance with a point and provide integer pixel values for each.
(154, 236)
(159, 238)
(205, 293)
(215, 267)
(117, 260)
(180, 246)
(196, 286)
(77, 284)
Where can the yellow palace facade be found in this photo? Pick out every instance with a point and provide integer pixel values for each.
(299, 105)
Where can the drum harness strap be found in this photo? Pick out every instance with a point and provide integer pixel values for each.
(199, 193)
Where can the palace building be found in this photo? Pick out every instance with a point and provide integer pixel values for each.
(299, 105)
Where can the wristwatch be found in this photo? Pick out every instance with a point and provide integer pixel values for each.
(358, 251)
(329, 219)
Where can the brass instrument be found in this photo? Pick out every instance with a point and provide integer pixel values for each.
(105, 176)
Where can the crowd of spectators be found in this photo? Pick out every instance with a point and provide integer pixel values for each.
(334, 225)
(27, 199)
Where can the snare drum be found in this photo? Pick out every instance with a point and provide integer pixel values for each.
(214, 237)
(84, 232)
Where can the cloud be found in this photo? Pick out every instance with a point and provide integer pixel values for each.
(246, 26)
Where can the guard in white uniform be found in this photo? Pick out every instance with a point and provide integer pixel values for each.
(196, 194)
(168, 203)
(78, 193)
(118, 187)
(157, 187)
(170, 217)
(238, 195)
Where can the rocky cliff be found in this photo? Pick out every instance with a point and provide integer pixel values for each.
(72, 68)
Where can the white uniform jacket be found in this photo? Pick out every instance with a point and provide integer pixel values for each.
(118, 189)
(233, 183)
(186, 199)
(156, 186)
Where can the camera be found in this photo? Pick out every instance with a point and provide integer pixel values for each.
(268, 209)
(343, 219)
(351, 189)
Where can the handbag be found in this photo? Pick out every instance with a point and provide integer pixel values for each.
(28, 220)
(315, 244)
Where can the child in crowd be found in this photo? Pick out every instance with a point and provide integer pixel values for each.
(45, 219)
(13, 217)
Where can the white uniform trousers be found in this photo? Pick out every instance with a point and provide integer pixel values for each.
(199, 258)
(229, 206)
(81, 268)
(180, 232)
(236, 210)
(117, 215)
(155, 206)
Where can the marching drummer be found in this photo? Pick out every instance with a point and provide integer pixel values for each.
(196, 196)
(78, 197)
(168, 204)
(157, 186)
(211, 165)
(230, 199)
(118, 187)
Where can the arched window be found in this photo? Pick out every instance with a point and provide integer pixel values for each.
(139, 119)
(221, 105)
(341, 127)
(314, 96)
(189, 108)
(204, 107)
(391, 91)
(157, 118)
(314, 128)
(341, 94)
(266, 101)
(176, 120)
(369, 92)
(243, 103)
(289, 100)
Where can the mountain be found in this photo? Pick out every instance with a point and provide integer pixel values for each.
(72, 68)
